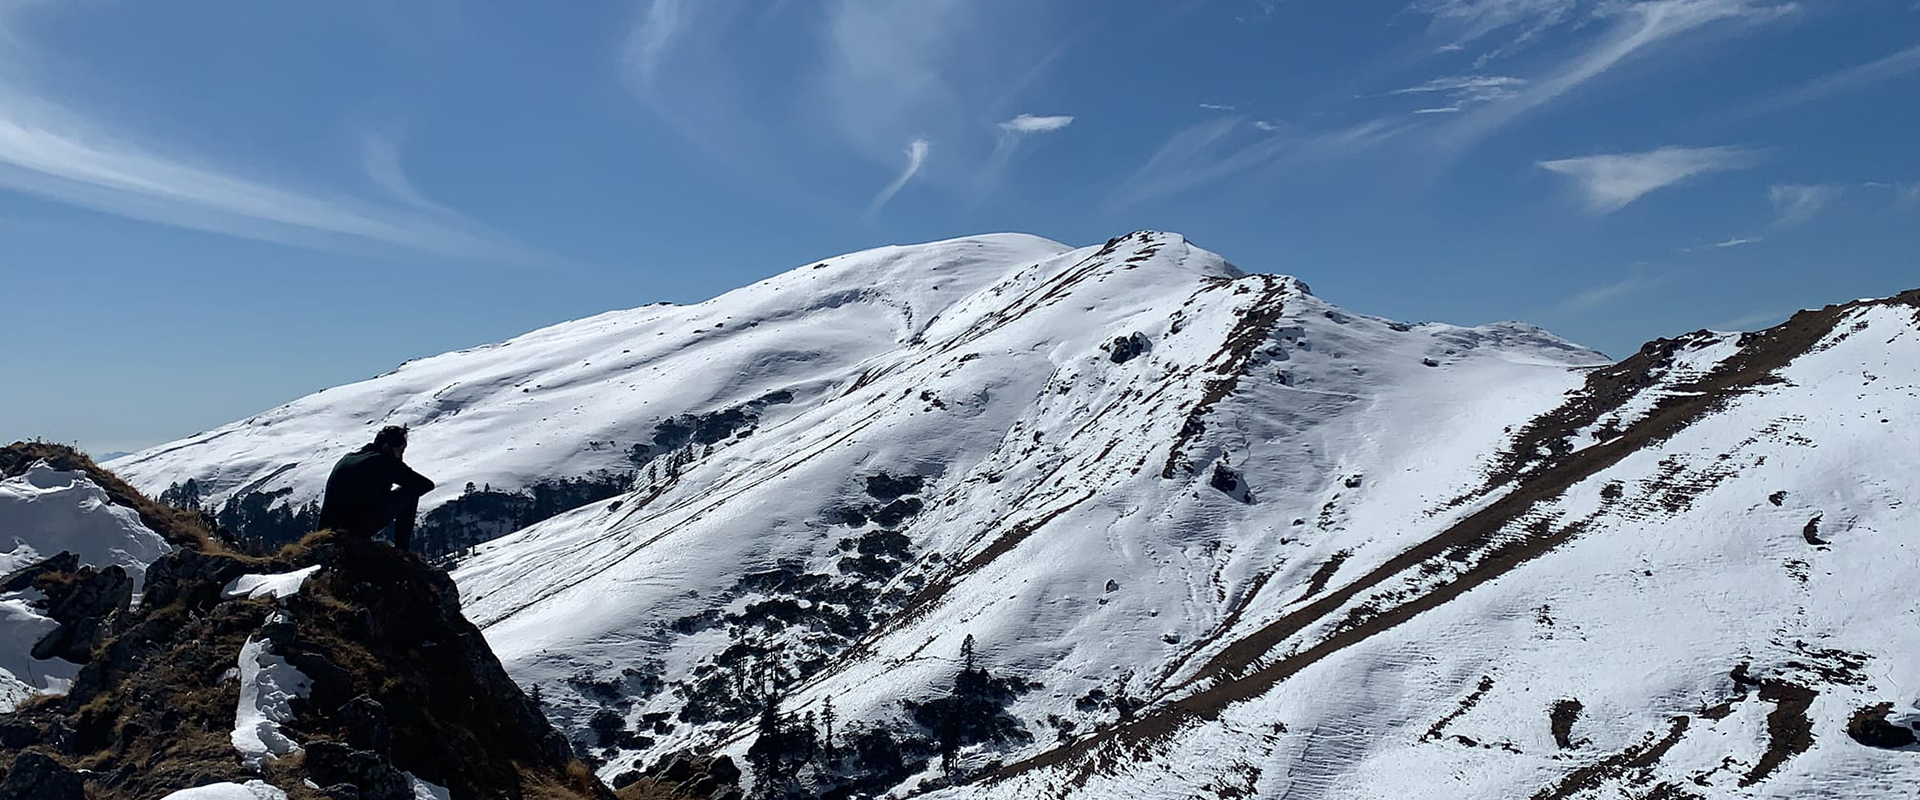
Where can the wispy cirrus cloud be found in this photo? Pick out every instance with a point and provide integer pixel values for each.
(1737, 241)
(1627, 29)
(1464, 90)
(1210, 151)
(1607, 293)
(1611, 182)
(51, 151)
(858, 78)
(1798, 204)
(916, 158)
(1465, 22)
(1754, 321)
(1028, 123)
(1845, 80)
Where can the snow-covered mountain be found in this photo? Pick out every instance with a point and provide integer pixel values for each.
(1209, 535)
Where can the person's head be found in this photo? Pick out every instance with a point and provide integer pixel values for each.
(391, 440)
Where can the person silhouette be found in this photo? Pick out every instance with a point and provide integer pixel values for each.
(373, 486)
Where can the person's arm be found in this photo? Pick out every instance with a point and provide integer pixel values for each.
(410, 482)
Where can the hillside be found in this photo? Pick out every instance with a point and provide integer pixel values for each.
(1199, 531)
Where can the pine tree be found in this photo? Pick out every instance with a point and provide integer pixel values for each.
(826, 740)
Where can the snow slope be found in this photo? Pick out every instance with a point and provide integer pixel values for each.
(1301, 539)
(44, 512)
(569, 399)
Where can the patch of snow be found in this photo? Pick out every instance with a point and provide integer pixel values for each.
(268, 685)
(423, 790)
(277, 585)
(43, 512)
(251, 790)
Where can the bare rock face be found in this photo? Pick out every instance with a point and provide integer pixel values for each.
(87, 602)
(24, 577)
(37, 777)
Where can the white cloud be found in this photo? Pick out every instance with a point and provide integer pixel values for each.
(1028, 123)
(51, 151)
(1847, 79)
(1217, 106)
(1613, 181)
(1738, 241)
(1211, 151)
(1468, 88)
(1265, 125)
(1601, 295)
(1467, 21)
(1756, 321)
(1439, 110)
(855, 77)
(1630, 28)
(1796, 204)
(916, 157)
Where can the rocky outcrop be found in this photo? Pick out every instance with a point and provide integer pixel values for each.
(683, 776)
(87, 602)
(396, 687)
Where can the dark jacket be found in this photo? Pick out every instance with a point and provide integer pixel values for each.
(360, 492)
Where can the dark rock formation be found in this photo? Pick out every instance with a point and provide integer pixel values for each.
(87, 603)
(401, 684)
(1870, 726)
(34, 776)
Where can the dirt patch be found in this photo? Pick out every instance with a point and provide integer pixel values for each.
(1630, 763)
(1466, 704)
(1565, 713)
(1811, 532)
(1789, 729)
(1872, 726)
(1318, 583)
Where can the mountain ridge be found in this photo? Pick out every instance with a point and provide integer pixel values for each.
(1152, 492)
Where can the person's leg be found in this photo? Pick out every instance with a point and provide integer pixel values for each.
(402, 508)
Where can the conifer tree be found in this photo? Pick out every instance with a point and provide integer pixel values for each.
(826, 740)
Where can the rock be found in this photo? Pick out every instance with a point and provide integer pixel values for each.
(724, 769)
(678, 769)
(897, 511)
(1870, 726)
(626, 779)
(341, 791)
(887, 487)
(22, 578)
(700, 786)
(192, 578)
(17, 735)
(1124, 348)
(366, 723)
(37, 777)
(331, 763)
(85, 603)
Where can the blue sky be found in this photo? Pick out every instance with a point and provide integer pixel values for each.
(208, 208)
